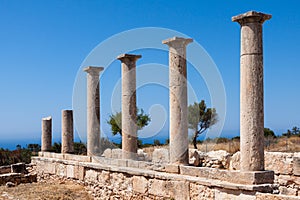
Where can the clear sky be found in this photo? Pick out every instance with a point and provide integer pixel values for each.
(44, 43)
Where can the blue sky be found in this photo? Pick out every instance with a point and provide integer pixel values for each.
(44, 43)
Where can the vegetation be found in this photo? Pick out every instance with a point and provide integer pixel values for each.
(8, 157)
(295, 131)
(200, 118)
(115, 121)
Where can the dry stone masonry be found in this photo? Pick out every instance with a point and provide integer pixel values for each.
(252, 90)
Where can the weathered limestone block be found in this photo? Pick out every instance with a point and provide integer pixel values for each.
(119, 162)
(200, 192)
(104, 177)
(296, 166)
(49, 168)
(133, 163)
(280, 163)
(80, 172)
(288, 191)
(160, 156)
(142, 156)
(61, 170)
(107, 153)
(116, 153)
(219, 159)
(140, 184)
(70, 171)
(235, 161)
(91, 175)
(234, 195)
(172, 169)
(262, 196)
(194, 157)
(172, 189)
(77, 158)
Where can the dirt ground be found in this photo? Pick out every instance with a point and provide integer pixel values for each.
(43, 191)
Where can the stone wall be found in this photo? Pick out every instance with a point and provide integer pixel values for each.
(286, 167)
(127, 179)
(16, 174)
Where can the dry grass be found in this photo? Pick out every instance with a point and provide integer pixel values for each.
(45, 191)
(282, 144)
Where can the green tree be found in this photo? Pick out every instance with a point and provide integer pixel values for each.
(156, 143)
(269, 137)
(288, 133)
(295, 130)
(115, 121)
(79, 148)
(56, 147)
(200, 118)
(34, 147)
(269, 133)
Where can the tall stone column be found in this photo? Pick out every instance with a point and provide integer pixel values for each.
(129, 110)
(46, 134)
(67, 132)
(178, 100)
(251, 91)
(93, 110)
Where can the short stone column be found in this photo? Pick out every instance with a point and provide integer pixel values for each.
(46, 134)
(178, 100)
(251, 91)
(129, 110)
(67, 132)
(93, 110)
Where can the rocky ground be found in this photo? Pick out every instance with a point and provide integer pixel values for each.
(66, 190)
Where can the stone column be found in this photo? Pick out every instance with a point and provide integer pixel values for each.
(178, 100)
(67, 132)
(129, 127)
(46, 134)
(93, 110)
(251, 91)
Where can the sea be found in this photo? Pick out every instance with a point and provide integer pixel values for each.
(11, 144)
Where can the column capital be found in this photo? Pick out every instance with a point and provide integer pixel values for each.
(130, 57)
(177, 41)
(93, 70)
(251, 17)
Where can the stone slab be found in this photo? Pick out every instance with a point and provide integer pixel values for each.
(174, 169)
(140, 184)
(79, 158)
(296, 166)
(257, 177)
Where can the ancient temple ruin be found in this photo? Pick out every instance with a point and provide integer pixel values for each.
(129, 174)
